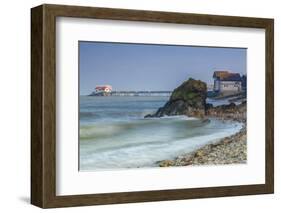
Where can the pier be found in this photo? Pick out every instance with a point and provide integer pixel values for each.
(133, 93)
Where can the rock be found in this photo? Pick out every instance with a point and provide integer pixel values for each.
(166, 163)
(229, 112)
(199, 153)
(187, 99)
(208, 106)
(148, 116)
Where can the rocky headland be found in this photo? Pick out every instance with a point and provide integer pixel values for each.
(228, 112)
(190, 99)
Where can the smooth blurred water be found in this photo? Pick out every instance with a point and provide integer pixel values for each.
(114, 133)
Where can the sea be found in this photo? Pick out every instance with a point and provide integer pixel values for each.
(115, 135)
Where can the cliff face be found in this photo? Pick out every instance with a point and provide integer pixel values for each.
(187, 99)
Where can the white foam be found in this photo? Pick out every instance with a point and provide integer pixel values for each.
(173, 117)
(145, 155)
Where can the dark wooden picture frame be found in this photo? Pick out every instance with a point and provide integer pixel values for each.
(43, 105)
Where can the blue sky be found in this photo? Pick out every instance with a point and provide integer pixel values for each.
(152, 67)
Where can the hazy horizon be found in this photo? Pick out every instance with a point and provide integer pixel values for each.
(152, 67)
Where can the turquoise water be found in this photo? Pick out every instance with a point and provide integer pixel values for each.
(115, 135)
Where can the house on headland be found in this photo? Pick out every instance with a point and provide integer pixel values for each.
(103, 90)
(227, 82)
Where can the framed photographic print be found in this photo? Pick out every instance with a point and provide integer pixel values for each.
(136, 106)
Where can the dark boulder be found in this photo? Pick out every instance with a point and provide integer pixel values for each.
(229, 111)
(187, 99)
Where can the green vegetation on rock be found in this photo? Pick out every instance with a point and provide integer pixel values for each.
(189, 90)
(187, 99)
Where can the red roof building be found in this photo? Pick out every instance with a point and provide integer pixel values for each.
(103, 89)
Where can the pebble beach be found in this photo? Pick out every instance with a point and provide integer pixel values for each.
(229, 150)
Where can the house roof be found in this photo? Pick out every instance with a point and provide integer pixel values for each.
(227, 76)
(103, 87)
